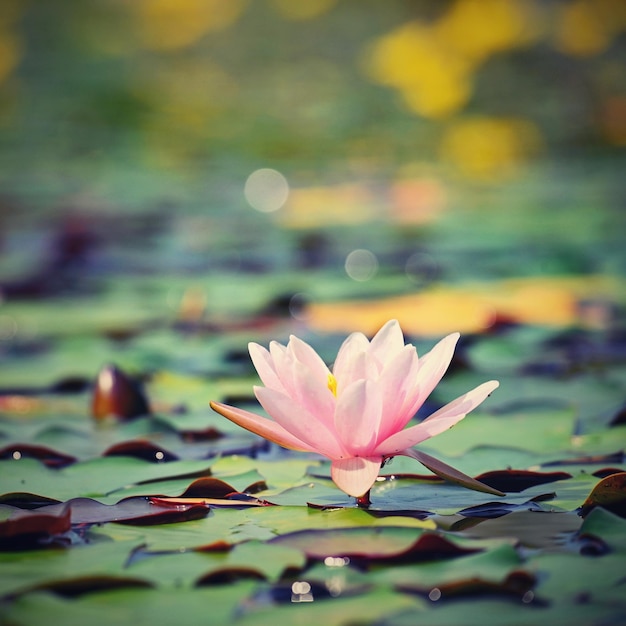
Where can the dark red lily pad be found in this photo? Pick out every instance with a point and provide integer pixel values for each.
(211, 488)
(607, 471)
(49, 457)
(141, 449)
(514, 481)
(518, 585)
(208, 487)
(198, 436)
(139, 511)
(229, 575)
(491, 510)
(368, 546)
(75, 587)
(24, 500)
(31, 529)
(613, 457)
(375, 512)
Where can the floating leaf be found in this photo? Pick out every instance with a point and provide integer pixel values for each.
(609, 493)
(32, 529)
(519, 480)
(49, 457)
(73, 587)
(128, 511)
(140, 449)
(365, 547)
(517, 585)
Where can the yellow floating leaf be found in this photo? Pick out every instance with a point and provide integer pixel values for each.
(472, 308)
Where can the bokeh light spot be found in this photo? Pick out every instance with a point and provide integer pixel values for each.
(266, 190)
(361, 265)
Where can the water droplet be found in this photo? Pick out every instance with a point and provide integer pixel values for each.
(435, 594)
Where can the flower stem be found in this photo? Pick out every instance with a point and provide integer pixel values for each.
(364, 501)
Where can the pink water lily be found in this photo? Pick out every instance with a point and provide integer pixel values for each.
(356, 414)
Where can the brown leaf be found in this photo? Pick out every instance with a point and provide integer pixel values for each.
(609, 493)
(30, 529)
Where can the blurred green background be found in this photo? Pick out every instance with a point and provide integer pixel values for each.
(446, 139)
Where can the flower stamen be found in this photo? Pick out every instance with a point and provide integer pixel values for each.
(332, 384)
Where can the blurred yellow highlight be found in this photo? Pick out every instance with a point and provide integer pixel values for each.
(10, 54)
(433, 81)
(432, 65)
(489, 149)
(172, 24)
(587, 27)
(336, 204)
(294, 10)
(478, 29)
(10, 44)
(472, 308)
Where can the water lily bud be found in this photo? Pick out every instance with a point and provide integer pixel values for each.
(115, 394)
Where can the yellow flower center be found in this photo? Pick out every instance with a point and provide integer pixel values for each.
(332, 384)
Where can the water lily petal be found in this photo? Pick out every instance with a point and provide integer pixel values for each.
(396, 382)
(306, 355)
(449, 473)
(351, 349)
(283, 361)
(438, 422)
(264, 365)
(359, 367)
(261, 426)
(432, 367)
(387, 342)
(313, 393)
(302, 424)
(356, 475)
(465, 403)
(358, 415)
